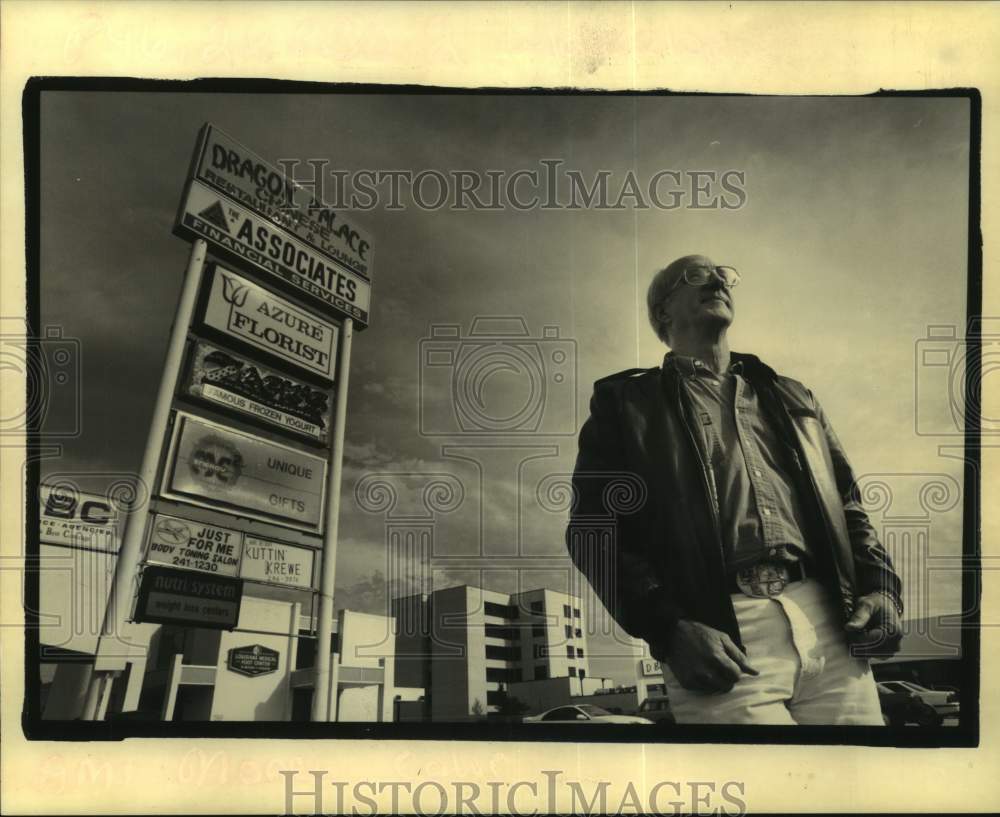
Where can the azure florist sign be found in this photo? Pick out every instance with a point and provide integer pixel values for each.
(243, 310)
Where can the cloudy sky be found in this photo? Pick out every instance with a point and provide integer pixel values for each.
(852, 242)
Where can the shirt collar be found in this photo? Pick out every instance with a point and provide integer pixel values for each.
(692, 366)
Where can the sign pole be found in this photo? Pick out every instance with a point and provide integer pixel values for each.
(324, 630)
(130, 553)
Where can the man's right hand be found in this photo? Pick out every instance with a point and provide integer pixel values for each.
(705, 659)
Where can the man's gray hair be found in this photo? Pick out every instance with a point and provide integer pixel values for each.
(655, 296)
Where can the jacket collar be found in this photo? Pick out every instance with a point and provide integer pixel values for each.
(750, 365)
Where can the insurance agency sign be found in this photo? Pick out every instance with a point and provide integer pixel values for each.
(218, 467)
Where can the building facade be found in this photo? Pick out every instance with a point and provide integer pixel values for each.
(466, 645)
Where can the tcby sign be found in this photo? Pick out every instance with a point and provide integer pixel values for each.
(218, 467)
(77, 519)
(244, 310)
(230, 380)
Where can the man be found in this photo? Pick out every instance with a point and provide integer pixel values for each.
(717, 518)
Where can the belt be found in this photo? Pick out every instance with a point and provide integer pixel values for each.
(767, 579)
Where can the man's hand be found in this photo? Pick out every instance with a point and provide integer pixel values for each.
(705, 659)
(874, 629)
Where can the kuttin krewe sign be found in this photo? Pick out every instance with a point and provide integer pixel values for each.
(251, 212)
(218, 467)
(231, 380)
(276, 563)
(244, 310)
(194, 545)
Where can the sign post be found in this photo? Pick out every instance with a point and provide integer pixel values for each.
(324, 630)
(109, 657)
(278, 358)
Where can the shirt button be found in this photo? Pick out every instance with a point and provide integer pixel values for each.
(767, 511)
(772, 552)
(756, 472)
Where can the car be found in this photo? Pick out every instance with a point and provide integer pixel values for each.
(901, 706)
(657, 709)
(583, 713)
(945, 702)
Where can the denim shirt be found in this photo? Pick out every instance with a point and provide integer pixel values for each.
(760, 512)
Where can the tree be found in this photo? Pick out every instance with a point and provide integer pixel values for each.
(477, 708)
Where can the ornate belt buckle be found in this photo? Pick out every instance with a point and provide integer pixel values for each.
(763, 580)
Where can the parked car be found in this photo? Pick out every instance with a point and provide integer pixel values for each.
(657, 709)
(583, 713)
(945, 702)
(901, 706)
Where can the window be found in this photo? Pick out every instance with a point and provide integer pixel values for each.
(583, 673)
(576, 612)
(570, 653)
(541, 672)
(498, 631)
(495, 697)
(572, 672)
(540, 651)
(536, 607)
(578, 632)
(569, 631)
(491, 608)
(579, 652)
(502, 653)
(566, 611)
(538, 630)
(496, 674)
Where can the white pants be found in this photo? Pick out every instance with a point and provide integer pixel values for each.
(807, 675)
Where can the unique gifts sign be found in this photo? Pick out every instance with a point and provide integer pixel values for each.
(244, 310)
(227, 379)
(218, 467)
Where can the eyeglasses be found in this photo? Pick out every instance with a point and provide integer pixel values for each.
(699, 276)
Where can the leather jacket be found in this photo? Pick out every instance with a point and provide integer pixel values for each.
(644, 528)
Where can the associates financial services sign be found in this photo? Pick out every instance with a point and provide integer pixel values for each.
(249, 210)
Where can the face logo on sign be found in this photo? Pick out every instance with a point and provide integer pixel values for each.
(172, 532)
(215, 462)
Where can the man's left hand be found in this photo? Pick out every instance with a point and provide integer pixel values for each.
(874, 629)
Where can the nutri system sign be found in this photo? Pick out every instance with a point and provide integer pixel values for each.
(218, 467)
(230, 380)
(244, 310)
(168, 596)
(249, 210)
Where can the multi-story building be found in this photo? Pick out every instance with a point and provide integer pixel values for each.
(465, 645)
